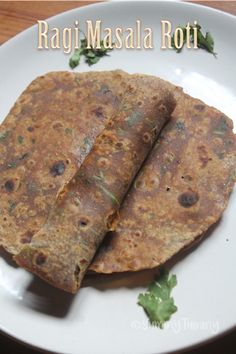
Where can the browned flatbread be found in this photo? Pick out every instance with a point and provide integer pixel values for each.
(62, 250)
(182, 190)
(45, 138)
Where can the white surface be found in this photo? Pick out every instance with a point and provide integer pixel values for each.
(104, 317)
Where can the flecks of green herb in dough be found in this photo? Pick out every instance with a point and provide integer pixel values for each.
(223, 125)
(231, 178)
(151, 124)
(80, 174)
(121, 131)
(151, 216)
(71, 194)
(69, 131)
(4, 135)
(61, 212)
(133, 118)
(220, 155)
(228, 143)
(11, 207)
(23, 156)
(179, 126)
(93, 231)
(86, 146)
(109, 194)
(32, 187)
(88, 181)
(77, 201)
(99, 177)
(163, 170)
(12, 164)
(39, 245)
(218, 132)
(126, 106)
(20, 139)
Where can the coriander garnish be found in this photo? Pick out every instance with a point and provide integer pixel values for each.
(91, 55)
(204, 42)
(157, 302)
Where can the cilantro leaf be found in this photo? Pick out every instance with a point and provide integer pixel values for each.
(204, 42)
(75, 59)
(157, 302)
(91, 55)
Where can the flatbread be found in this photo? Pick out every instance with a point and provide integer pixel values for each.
(62, 250)
(181, 191)
(44, 140)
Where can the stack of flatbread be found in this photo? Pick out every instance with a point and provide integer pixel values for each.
(109, 172)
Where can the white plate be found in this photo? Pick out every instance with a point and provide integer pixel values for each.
(104, 317)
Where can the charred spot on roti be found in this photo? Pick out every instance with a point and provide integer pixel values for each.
(199, 107)
(147, 137)
(40, 259)
(58, 168)
(98, 112)
(9, 185)
(77, 273)
(83, 262)
(84, 221)
(105, 90)
(119, 145)
(187, 178)
(57, 125)
(103, 163)
(203, 155)
(27, 237)
(188, 199)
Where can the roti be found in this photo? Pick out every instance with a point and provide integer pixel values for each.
(181, 191)
(64, 247)
(45, 138)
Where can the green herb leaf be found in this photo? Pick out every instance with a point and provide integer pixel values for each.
(133, 118)
(157, 302)
(11, 207)
(109, 194)
(87, 145)
(91, 61)
(12, 164)
(179, 125)
(20, 139)
(69, 131)
(4, 135)
(204, 42)
(100, 177)
(75, 59)
(91, 55)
